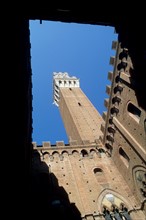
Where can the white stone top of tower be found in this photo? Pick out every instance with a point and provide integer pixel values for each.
(62, 80)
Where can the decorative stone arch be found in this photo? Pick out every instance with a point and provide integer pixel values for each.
(55, 152)
(45, 152)
(65, 154)
(55, 155)
(93, 152)
(46, 155)
(116, 195)
(75, 153)
(109, 147)
(84, 153)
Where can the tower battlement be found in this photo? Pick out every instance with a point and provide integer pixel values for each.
(62, 80)
(73, 143)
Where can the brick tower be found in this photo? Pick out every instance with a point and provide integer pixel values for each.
(81, 120)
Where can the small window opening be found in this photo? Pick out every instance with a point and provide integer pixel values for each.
(124, 157)
(98, 171)
(134, 112)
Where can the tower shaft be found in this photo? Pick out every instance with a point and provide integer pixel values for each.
(81, 119)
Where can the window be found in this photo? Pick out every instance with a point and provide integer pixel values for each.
(124, 157)
(134, 112)
(97, 171)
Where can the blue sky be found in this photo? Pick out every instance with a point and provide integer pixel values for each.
(82, 50)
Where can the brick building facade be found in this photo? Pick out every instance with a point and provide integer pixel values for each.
(102, 169)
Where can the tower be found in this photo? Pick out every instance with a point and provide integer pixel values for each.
(93, 175)
(81, 119)
(100, 174)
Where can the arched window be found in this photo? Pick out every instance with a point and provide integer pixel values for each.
(124, 157)
(134, 112)
(110, 201)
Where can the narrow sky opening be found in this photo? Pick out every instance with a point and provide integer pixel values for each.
(82, 50)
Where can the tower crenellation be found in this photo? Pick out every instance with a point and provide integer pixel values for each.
(62, 80)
